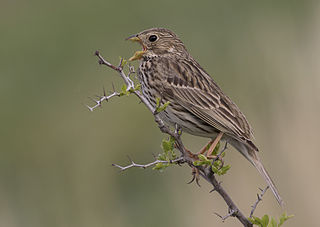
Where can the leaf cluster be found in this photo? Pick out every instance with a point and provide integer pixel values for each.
(125, 91)
(159, 107)
(265, 221)
(168, 154)
(216, 165)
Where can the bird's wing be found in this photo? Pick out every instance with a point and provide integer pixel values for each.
(189, 85)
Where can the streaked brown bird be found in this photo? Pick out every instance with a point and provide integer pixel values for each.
(197, 104)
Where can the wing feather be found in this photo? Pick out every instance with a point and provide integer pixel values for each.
(190, 86)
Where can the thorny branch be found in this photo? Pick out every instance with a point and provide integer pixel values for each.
(144, 166)
(259, 198)
(230, 214)
(205, 172)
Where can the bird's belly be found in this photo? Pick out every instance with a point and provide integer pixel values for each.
(188, 123)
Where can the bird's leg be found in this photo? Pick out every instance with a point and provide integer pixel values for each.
(205, 148)
(195, 171)
(214, 144)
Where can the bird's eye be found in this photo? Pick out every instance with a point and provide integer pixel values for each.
(153, 38)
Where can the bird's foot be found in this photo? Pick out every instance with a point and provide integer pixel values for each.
(195, 176)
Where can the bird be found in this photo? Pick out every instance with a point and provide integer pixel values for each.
(197, 104)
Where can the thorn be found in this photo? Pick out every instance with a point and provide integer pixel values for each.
(130, 159)
(219, 216)
(212, 190)
(90, 108)
(96, 101)
(100, 62)
(104, 91)
(121, 60)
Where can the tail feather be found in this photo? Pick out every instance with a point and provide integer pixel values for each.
(252, 156)
(256, 162)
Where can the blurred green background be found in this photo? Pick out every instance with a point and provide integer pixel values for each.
(56, 156)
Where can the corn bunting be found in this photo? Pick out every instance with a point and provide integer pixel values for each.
(197, 104)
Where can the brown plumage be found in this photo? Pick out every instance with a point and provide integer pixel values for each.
(197, 104)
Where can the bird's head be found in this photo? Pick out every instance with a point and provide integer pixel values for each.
(157, 41)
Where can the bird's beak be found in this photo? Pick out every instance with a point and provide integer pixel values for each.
(133, 38)
(138, 54)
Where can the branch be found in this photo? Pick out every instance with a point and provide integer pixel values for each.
(129, 83)
(133, 164)
(254, 206)
(206, 173)
(102, 98)
(230, 214)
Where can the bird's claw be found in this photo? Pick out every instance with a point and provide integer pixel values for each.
(195, 176)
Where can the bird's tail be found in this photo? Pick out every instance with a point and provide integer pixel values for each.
(252, 156)
(256, 162)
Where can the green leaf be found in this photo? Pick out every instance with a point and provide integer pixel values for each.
(265, 220)
(224, 169)
(162, 157)
(157, 102)
(166, 146)
(215, 170)
(138, 87)
(216, 149)
(197, 163)
(273, 223)
(284, 217)
(202, 157)
(165, 105)
(124, 62)
(203, 160)
(160, 166)
(217, 163)
(123, 90)
(255, 220)
(160, 107)
(173, 154)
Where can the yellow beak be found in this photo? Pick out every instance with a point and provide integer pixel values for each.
(138, 54)
(133, 38)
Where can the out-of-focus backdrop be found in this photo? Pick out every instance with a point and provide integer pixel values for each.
(56, 156)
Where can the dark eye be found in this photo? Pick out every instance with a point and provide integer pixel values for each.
(153, 38)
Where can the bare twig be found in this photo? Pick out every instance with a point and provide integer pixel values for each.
(259, 198)
(101, 99)
(230, 213)
(144, 166)
(206, 173)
